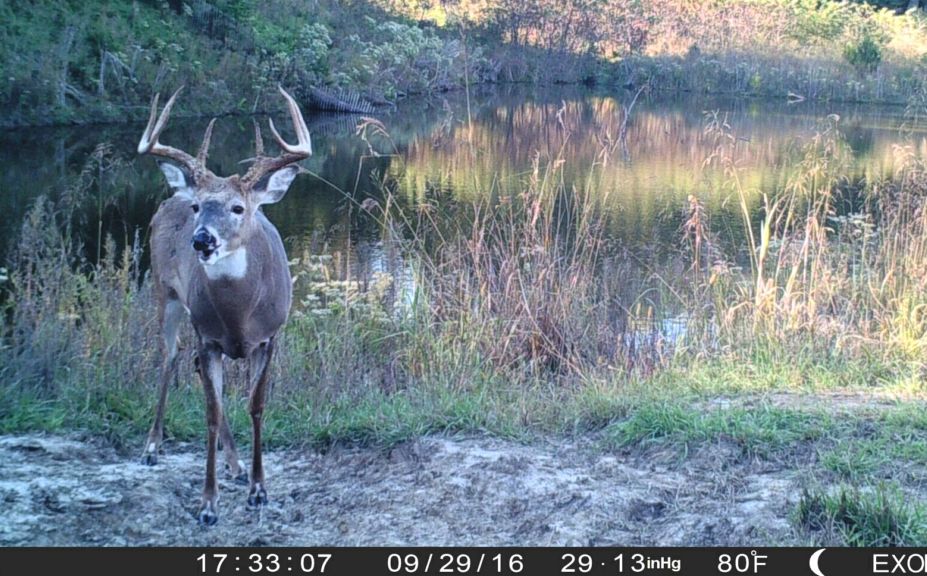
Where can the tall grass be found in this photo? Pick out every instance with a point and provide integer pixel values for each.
(517, 313)
(528, 285)
(527, 289)
(509, 313)
(814, 277)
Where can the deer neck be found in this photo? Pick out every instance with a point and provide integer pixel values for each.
(232, 289)
(232, 266)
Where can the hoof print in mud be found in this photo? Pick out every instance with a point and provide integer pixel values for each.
(258, 496)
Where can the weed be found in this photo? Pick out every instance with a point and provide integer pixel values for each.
(763, 430)
(854, 517)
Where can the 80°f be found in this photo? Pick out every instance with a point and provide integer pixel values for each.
(741, 563)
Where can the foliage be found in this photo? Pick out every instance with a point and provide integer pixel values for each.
(73, 61)
(864, 55)
(398, 58)
(819, 20)
(883, 517)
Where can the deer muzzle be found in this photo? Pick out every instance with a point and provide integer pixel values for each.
(204, 243)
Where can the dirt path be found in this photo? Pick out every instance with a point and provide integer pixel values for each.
(434, 491)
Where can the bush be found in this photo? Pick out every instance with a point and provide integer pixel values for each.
(865, 55)
(817, 20)
(400, 58)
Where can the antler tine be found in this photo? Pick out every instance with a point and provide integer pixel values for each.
(203, 153)
(156, 123)
(292, 152)
(144, 145)
(258, 140)
(149, 142)
(304, 141)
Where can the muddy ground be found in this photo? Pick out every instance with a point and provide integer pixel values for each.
(433, 491)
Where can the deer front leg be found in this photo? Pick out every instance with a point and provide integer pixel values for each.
(226, 440)
(170, 315)
(260, 366)
(211, 375)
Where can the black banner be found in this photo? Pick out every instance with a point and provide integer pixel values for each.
(437, 561)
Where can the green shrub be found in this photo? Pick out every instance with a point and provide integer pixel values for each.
(818, 20)
(399, 58)
(312, 48)
(865, 54)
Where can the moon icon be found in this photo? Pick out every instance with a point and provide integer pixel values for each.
(813, 562)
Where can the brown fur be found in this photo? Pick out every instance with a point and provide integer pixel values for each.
(236, 309)
(234, 314)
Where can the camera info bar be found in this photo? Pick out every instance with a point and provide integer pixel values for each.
(488, 561)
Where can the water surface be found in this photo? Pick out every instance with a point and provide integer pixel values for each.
(436, 153)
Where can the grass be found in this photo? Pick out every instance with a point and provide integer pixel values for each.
(892, 444)
(674, 408)
(879, 517)
(516, 318)
(764, 429)
(851, 443)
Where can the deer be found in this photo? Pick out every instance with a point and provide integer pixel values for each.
(217, 259)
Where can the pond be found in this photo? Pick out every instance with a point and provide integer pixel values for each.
(439, 151)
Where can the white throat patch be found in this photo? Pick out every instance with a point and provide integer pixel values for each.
(231, 265)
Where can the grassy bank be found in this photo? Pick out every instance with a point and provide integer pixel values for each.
(78, 62)
(81, 62)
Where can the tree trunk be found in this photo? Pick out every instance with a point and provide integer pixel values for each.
(64, 57)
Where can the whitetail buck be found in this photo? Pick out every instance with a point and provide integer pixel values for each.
(217, 258)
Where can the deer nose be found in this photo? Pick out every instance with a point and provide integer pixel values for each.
(203, 240)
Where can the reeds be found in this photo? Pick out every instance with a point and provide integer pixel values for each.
(517, 291)
(819, 280)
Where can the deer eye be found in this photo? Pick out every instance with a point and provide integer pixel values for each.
(195, 208)
(238, 209)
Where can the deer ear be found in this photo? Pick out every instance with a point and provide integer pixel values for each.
(272, 188)
(177, 178)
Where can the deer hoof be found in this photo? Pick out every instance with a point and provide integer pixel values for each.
(208, 515)
(258, 496)
(238, 473)
(150, 457)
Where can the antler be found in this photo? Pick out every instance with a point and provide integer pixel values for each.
(204, 147)
(149, 142)
(264, 165)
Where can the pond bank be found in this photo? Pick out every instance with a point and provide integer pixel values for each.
(727, 471)
(435, 491)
